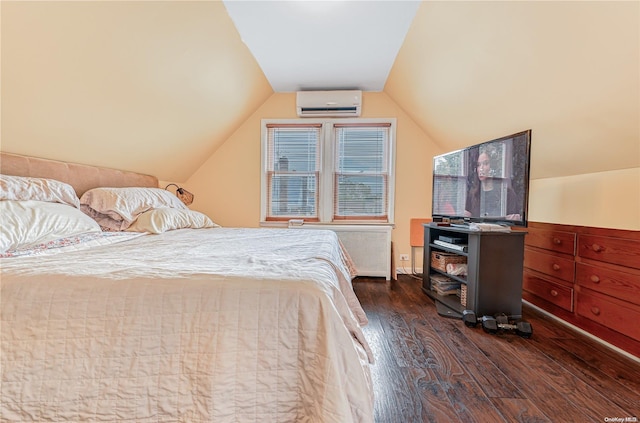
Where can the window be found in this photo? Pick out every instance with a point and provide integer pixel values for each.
(450, 183)
(293, 165)
(361, 172)
(325, 171)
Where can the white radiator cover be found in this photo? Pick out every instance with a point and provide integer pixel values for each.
(368, 245)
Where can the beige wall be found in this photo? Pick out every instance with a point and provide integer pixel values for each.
(604, 199)
(470, 71)
(147, 86)
(175, 93)
(227, 186)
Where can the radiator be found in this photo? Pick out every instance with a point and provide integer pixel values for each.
(368, 245)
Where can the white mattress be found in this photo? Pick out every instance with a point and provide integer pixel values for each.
(222, 325)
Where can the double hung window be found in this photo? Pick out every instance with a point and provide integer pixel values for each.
(326, 171)
(292, 171)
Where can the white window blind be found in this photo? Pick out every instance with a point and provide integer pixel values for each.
(293, 165)
(361, 176)
(328, 170)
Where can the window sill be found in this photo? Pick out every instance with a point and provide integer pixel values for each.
(341, 223)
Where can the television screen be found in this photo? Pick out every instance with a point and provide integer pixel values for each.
(487, 182)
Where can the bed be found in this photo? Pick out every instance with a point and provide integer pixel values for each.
(184, 323)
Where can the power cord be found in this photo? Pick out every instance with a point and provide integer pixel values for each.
(410, 274)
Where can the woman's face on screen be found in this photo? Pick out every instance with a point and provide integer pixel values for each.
(483, 166)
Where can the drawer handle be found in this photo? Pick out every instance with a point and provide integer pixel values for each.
(557, 241)
(595, 310)
(595, 279)
(554, 293)
(556, 266)
(596, 248)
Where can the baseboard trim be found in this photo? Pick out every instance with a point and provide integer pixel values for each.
(584, 332)
(407, 271)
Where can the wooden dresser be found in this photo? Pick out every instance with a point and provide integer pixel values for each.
(589, 277)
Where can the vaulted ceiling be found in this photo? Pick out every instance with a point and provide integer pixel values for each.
(326, 45)
(157, 87)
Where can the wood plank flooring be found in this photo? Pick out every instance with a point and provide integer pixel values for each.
(434, 369)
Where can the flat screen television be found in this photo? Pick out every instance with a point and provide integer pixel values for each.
(484, 183)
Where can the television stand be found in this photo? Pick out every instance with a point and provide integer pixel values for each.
(459, 225)
(444, 310)
(493, 282)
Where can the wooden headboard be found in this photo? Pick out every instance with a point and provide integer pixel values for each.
(80, 177)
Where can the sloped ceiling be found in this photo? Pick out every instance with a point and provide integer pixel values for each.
(327, 45)
(473, 71)
(153, 87)
(157, 87)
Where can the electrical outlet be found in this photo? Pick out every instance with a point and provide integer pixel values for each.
(404, 257)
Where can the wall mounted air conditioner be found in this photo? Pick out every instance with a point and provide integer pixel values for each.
(344, 103)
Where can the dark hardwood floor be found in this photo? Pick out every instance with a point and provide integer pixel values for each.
(434, 369)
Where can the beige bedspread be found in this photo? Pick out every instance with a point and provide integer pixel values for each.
(216, 325)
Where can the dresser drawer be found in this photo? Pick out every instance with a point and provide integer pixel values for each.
(625, 252)
(617, 315)
(616, 283)
(549, 264)
(554, 293)
(558, 241)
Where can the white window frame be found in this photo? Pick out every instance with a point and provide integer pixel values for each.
(326, 182)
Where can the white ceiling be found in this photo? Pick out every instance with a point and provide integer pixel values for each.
(324, 45)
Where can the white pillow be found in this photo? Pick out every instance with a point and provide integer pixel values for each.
(117, 208)
(39, 189)
(161, 220)
(26, 223)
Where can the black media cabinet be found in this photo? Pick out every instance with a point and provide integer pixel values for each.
(495, 271)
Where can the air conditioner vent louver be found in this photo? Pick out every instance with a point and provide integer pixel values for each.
(337, 110)
(329, 103)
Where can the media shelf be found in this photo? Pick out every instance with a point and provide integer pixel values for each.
(494, 270)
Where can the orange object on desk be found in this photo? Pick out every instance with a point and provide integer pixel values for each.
(416, 238)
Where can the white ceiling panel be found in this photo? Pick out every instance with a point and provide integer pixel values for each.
(323, 45)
